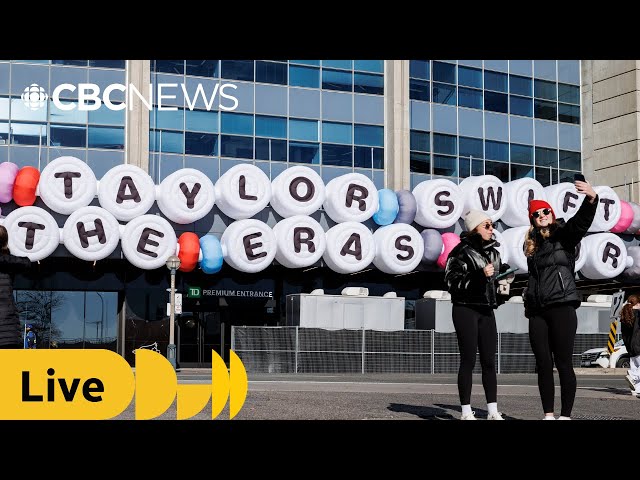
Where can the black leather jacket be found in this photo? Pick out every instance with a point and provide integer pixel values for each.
(551, 267)
(464, 275)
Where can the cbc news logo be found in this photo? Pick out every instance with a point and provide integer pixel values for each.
(34, 97)
(100, 384)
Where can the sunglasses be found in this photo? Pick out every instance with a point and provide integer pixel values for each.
(545, 211)
(487, 226)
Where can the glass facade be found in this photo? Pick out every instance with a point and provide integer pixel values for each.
(325, 114)
(508, 118)
(33, 133)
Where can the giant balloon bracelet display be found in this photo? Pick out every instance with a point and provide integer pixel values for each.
(411, 227)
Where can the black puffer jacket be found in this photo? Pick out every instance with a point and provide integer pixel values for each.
(551, 267)
(464, 275)
(10, 333)
(631, 335)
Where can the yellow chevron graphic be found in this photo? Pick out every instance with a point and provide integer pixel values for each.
(612, 336)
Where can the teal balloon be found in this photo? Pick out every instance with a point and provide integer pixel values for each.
(388, 207)
(211, 254)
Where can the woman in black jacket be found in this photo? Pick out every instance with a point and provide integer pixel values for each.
(630, 329)
(10, 333)
(469, 274)
(551, 297)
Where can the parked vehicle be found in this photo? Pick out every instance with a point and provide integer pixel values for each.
(599, 357)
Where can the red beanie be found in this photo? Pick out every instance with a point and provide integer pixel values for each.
(535, 205)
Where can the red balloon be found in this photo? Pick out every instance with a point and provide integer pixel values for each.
(24, 188)
(189, 251)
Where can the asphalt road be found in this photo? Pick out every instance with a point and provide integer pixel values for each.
(408, 397)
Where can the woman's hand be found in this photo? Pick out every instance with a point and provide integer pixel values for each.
(489, 270)
(585, 188)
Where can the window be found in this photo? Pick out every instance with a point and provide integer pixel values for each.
(546, 157)
(368, 135)
(568, 94)
(303, 129)
(111, 138)
(419, 69)
(271, 72)
(300, 152)
(201, 121)
(570, 160)
(337, 80)
(304, 77)
(337, 132)
(338, 155)
(569, 113)
(196, 143)
(520, 85)
(444, 72)
(469, 77)
(545, 110)
(29, 134)
(497, 151)
(419, 90)
(445, 166)
(419, 141)
(202, 68)
(237, 69)
(271, 149)
(368, 83)
(468, 97)
(443, 93)
(271, 126)
(496, 102)
(67, 136)
(521, 106)
(522, 154)
(169, 66)
(495, 81)
(420, 162)
(471, 147)
(236, 147)
(445, 144)
(546, 90)
(238, 123)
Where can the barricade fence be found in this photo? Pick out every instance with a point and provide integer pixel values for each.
(294, 349)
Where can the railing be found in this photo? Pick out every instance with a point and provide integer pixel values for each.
(316, 350)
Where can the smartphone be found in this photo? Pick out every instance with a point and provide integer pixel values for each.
(580, 177)
(508, 272)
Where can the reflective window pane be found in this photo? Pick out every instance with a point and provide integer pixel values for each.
(200, 144)
(111, 138)
(376, 66)
(337, 155)
(545, 110)
(444, 72)
(237, 69)
(419, 141)
(419, 90)
(445, 144)
(500, 170)
(468, 97)
(19, 111)
(419, 69)
(443, 93)
(28, 134)
(368, 83)
(420, 162)
(236, 147)
(337, 80)
(337, 132)
(169, 119)
(271, 126)
(546, 157)
(495, 81)
(368, 135)
(546, 90)
(471, 147)
(271, 72)
(68, 136)
(300, 152)
(520, 85)
(170, 142)
(307, 62)
(202, 68)
(4, 108)
(521, 106)
(497, 151)
(344, 64)
(304, 77)
(201, 121)
(303, 129)
(169, 66)
(569, 113)
(521, 171)
(568, 93)
(108, 64)
(67, 116)
(496, 102)
(470, 77)
(570, 160)
(445, 166)
(521, 154)
(106, 116)
(271, 149)
(238, 123)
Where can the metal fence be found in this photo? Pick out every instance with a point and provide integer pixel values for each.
(316, 350)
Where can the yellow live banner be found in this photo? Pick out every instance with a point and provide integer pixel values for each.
(100, 384)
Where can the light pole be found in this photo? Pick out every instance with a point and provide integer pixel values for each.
(173, 263)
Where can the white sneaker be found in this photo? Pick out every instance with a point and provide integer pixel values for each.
(549, 417)
(564, 418)
(469, 416)
(630, 381)
(495, 416)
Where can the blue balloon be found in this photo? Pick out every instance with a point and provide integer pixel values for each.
(211, 254)
(387, 207)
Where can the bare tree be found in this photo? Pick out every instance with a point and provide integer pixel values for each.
(36, 307)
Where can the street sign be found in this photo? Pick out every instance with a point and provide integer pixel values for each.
(617, 301)
(194, 292)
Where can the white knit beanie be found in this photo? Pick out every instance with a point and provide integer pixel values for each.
(474, 218)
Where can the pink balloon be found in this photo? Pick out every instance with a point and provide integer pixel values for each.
(8, 173)
(449, 241)
(625, 218)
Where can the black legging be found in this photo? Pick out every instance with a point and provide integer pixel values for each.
(552, 333)
(476, 329)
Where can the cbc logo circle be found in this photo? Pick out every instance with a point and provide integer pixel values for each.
(34, 96)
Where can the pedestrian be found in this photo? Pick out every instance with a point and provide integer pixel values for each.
(551, 297)
(10, 331)
(30, 337)
(630, 329)
(470, 278)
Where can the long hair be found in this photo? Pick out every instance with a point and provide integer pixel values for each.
(627, 316)
(531, 242)
(4, 241)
